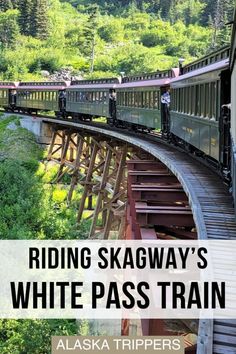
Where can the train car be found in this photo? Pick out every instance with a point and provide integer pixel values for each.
(139, 100)
(233, 107)
(32, 97)
(198, 96)
(87, 99)
(8, 95)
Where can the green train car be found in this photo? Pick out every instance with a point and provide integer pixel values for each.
(8, 95)
(197, 97)
(34, 96)
(139, 100)
(87, 99)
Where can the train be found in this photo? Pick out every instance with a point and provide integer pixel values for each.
(197, 118)
(233, 109)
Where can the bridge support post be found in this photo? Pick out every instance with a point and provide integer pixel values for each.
(88, 180)
(99, 167)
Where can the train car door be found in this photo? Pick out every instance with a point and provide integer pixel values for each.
(224, 122)
(165, 110)
(12, 98)
(112, 104)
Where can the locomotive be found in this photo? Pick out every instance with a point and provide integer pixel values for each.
(198, 117)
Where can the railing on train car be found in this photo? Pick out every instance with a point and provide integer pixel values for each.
(95, 81)
(212, 58)
(233, 43)
(44, 83)
(149, 76)
(7, 83)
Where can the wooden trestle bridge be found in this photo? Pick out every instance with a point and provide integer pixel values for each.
(143, 188)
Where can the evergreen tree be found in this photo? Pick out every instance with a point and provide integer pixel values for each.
(39, 19)
(90, 31)
(9, 28)
(5, 5)
(25, 8)
(15, 4)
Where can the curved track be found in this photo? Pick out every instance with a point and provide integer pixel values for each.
(212, 208)
(211, 204)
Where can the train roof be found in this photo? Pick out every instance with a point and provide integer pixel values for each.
(223, 64)
(8, 85)
(49, 85)
(233, 43)
(148, 76)
(106, 83)
(159, 78)
(112, 80)
(147, 83)
(209, 59)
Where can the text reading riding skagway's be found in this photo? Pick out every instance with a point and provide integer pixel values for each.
(116, 294)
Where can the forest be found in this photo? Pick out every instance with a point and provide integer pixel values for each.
(100, 38)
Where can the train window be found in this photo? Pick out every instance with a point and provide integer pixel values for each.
(202, 100)
(173, 100)
(132, 99)
(125, 99)
(218, 107)
(151, 102)
(105, 97)
(184, 92)
(144, 100)
(207, 101)
(122, 98)
(129, 99)
(155, 99)
(195, 108)
(135, 99)
(140, 99)
(147, 105)
(179, 100)
(213, 100)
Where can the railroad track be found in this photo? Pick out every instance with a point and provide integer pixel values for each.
(210, 202)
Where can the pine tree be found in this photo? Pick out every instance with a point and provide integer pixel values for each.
(5, 5)
(90, 31)
(25, 8)
(15, 4)
(39, 19)
(9, 29)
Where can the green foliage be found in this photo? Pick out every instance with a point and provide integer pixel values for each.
(32, 336)
(98, 39)
(29, 209)
(39, 20)
(5, 5)
(9, 29)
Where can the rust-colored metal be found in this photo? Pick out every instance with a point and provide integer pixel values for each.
(99, 167)
(157, 208)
